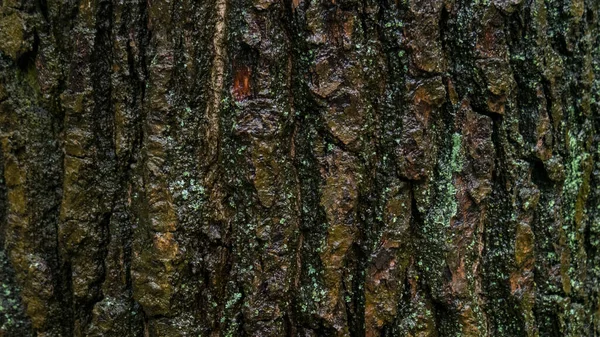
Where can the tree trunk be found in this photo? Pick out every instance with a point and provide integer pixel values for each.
(300, 168)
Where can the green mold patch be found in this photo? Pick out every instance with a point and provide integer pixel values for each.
(13, 36)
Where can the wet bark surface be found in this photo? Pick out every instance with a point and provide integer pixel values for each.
(299, 168)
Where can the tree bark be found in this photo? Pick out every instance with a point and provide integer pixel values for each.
(300, 168)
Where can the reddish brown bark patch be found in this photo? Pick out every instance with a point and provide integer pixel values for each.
(241, 83)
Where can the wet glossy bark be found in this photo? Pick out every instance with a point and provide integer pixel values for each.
(299, 168)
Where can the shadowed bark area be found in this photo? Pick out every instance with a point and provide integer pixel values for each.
(300, 168)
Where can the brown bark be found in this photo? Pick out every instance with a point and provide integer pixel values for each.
(299, 168)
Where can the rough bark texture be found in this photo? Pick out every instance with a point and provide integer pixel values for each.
(299, 168)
